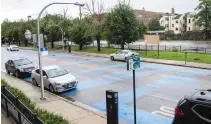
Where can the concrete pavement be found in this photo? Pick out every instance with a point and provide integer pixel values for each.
(5, 119)
(75, 113)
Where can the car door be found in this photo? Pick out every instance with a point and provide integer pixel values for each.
(36, 76)
(122, 55)
(45, 79)
(12, 67)
(118, 55)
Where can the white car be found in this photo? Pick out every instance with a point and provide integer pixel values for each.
(55, 78)
(122, 55)
(13, 48)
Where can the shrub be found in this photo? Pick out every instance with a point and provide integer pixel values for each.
(47, 117)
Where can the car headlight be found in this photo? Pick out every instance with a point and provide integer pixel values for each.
(21, 70)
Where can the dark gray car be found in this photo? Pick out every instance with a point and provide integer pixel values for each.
(20, 67)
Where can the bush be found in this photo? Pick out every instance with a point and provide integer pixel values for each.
(47, 117)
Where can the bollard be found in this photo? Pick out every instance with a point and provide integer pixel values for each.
(185, 57)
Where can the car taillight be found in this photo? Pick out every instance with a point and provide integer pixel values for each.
(178, 111)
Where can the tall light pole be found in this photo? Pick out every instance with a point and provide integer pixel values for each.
(38, 33)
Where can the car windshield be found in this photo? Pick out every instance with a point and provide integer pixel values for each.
(21, 62)
(56, 72)
(13, 46)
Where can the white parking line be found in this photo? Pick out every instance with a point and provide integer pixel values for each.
(166, 111)
(164, 98)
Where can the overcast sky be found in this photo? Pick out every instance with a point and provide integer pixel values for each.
(17, 9)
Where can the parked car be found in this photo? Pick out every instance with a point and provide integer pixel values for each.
(194, 108)
(122, 55)
(55, 78)
(13, 48)
(20, 67)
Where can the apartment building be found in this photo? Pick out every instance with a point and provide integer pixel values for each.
(178, 23)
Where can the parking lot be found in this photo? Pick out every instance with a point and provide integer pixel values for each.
(158, 87)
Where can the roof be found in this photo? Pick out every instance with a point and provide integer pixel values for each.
(18, 58)
(147, 16)
(178, 16)
(49, 67)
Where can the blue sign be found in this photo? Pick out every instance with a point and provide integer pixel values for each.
(136, 61)
(133, 62)
(43, 49)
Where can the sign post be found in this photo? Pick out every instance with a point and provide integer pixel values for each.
(132, 64)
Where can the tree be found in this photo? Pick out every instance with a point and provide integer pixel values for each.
(79, 33)
(203, 17)
(122, 26)
(154, 25)
(96, 11)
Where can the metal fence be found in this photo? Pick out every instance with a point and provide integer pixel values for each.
(16, 109)
(205, 50)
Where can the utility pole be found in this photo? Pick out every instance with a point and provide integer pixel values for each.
(39, 51)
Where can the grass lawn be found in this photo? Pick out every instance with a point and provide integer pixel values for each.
(168, 55)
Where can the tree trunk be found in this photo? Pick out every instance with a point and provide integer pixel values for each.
(26, 42)
(81, 47)
(52, 44)
(98, 42)
(122, 46)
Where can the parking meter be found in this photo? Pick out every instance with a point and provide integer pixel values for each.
(112, 107)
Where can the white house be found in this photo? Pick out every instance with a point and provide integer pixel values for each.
(178, 23)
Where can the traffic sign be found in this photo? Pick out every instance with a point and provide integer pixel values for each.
(44, 51)
(136, 61)
(133, 62)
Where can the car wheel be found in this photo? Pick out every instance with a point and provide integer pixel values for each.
(34, 82)
(8, 72)
(51, 88)
(112, 58)
(17, 74)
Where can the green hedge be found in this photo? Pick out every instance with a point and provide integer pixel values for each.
(47, 117)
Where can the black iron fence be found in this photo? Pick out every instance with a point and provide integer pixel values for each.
(16, 109)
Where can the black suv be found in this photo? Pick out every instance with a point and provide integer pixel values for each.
(20, 67)
(194, 108)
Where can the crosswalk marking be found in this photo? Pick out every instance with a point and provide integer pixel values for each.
(166, 111)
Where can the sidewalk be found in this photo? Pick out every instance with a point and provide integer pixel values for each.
(5, 119)
(149, 60)
(76, 113)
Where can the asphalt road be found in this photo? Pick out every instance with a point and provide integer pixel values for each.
(158, 87)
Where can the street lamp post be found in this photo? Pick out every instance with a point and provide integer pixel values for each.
(38, 32)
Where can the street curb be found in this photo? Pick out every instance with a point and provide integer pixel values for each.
(107, 56)
(175, 64)
(75, 103)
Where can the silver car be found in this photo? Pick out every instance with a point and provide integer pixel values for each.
(122, 55)
(55, 78)
(13, 48)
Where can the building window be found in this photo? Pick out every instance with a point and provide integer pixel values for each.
(172, 25)
(176, 29)
(166, 25)
(189, 21)
(184, 25)
(167, 19)
(189, 28)
(176, 21)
